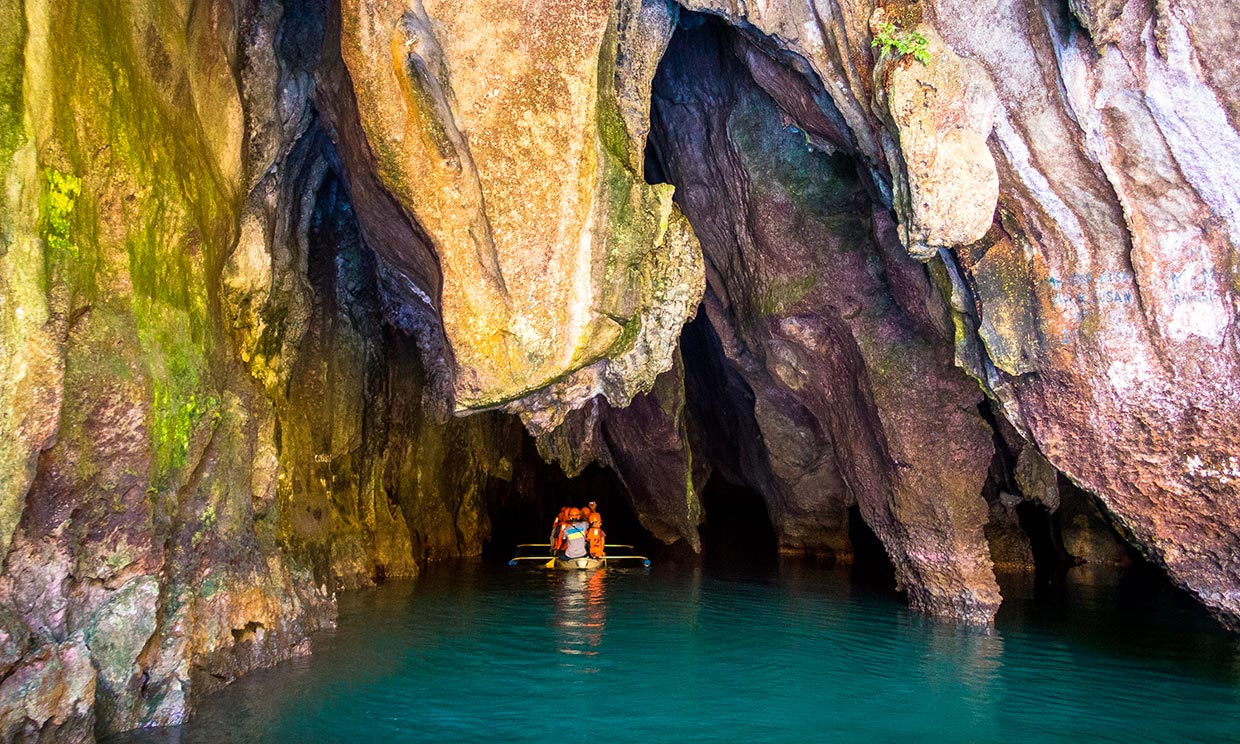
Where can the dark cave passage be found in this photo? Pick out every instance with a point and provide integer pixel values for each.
(521, 510)
(738, 530)
(762, 168)
(870, 567)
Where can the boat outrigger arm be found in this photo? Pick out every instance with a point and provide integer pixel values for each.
(545, 545)
(546, 558)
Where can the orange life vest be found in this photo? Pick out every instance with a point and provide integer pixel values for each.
(596, 539)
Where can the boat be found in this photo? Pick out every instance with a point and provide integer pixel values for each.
(586, 563)
(573, 564)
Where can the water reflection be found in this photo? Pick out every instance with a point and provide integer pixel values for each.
(581, 612)
(968, 662)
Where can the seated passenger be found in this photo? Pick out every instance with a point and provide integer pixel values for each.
(554, 541)
(575, 535)
(595, 537)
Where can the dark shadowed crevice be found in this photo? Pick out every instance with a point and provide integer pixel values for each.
(738, 530)
(1043, 529)
(871, 566)
(721, 407)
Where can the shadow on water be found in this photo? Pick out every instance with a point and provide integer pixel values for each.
(1124, 613)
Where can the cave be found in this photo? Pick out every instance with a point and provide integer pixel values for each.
(301, 301)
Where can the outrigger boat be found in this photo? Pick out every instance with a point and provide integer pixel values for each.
(574, 564)
(587, 563)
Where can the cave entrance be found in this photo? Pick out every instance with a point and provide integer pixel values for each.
(737, 532)
(522, 508)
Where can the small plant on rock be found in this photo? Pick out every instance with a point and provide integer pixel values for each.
(903, 43)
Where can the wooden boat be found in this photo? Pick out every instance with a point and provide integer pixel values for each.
(586, 563)
(574, 564)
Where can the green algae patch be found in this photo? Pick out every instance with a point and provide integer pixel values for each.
(181, 401)
(12, 63)
(57, 203)
(780, 296)
(139, 212)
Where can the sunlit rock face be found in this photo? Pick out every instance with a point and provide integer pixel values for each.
(209, 423)
(512, 133)
(938, 114)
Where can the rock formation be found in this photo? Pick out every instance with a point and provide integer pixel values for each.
(967, 274)
(806, 292)
(563, 273)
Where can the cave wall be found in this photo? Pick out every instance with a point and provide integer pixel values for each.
(213, 415)
(564, 274)
(805, 282)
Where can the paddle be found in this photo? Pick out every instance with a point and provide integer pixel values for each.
(549, 564)
(645, 561)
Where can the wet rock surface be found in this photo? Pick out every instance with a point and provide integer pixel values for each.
(1104, 293)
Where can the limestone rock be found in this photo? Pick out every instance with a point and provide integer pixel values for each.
(1114, 173)
(1112, 170)
(497, 127)
(1037, 478)
(940, 113)
(648, 446)
(800, 301)
(1010, 549)
(253, 254)
(51, 697)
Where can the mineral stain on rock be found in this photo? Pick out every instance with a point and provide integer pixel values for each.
(296, 297)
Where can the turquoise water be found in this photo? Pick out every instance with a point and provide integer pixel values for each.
(474, 653)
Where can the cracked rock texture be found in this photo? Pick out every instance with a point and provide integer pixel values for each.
(212, 419)
(804, 294)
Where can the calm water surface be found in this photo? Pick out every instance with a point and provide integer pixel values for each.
(475, 653)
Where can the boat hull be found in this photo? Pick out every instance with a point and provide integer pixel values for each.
(579, 564)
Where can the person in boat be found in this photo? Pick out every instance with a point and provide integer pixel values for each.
(595, 537)
(574, 535)
(557, 529)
